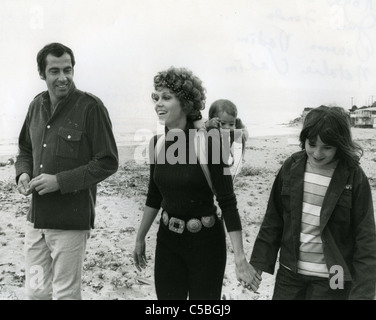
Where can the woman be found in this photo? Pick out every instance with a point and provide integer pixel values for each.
(190, 256)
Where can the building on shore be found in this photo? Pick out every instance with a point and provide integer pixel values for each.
(363, 118)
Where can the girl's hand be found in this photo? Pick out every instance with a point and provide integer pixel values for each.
(139, 256)
(213, 123)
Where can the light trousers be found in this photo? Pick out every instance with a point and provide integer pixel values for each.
(54, 261)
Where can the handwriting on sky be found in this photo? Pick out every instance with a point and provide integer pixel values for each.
(333, 39)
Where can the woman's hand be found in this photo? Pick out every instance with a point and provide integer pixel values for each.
(139, 255)
(248, 276)
(139, 250)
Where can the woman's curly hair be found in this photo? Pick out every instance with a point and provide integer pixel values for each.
(186, 86)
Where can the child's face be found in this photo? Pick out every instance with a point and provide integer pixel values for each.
(227, 121)
(319, 153)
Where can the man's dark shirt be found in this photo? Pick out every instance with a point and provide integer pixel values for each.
(75, 143)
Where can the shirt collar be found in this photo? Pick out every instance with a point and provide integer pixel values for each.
(47, 100)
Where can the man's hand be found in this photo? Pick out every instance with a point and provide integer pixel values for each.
(44, 183)
(23, 184)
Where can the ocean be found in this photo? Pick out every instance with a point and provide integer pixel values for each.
(130, 131)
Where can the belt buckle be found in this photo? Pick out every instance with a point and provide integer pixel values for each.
(208, 221)
(194, 225)
(176, 225)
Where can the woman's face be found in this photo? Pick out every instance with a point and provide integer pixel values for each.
(319, 153)
(169, 109)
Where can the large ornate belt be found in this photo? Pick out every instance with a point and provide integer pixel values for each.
(192, 225)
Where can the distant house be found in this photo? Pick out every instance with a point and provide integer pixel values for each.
(363, 118)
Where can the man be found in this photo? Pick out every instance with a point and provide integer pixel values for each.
(66, 146)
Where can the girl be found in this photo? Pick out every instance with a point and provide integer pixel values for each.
(190, 255)
(320, 216)
(223, 115)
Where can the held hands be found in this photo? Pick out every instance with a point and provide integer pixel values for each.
(139, 256)
(44, 183)
(248, 276)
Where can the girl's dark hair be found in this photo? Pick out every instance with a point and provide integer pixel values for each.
(57, 50)
(222, 105)
(332, 125)
(186, 86)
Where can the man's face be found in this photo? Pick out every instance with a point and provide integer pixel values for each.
(59, 76)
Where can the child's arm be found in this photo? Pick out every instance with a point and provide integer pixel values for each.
(239, 125)
(213, 123)
(364, 256)
(207, 124)
(199, 124)
(198, 121)
(268, 241)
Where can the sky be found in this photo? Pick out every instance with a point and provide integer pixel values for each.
(271, 58)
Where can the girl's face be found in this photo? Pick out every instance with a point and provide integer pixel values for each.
(319, 153)
(169, 109)
(227, 121)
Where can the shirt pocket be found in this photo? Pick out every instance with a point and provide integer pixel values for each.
(68, 144)
(342, 210)
(345, 199)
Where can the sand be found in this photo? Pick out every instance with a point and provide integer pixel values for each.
(109, 272)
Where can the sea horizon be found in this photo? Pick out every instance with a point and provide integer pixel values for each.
(131, 130)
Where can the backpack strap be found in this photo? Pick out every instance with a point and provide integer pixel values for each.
(158, 146)
(200, 148)
(238, 154)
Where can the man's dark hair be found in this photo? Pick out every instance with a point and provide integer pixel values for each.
(55, 49)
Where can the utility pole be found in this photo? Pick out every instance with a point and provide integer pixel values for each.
(371, 101)
(352, 101)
